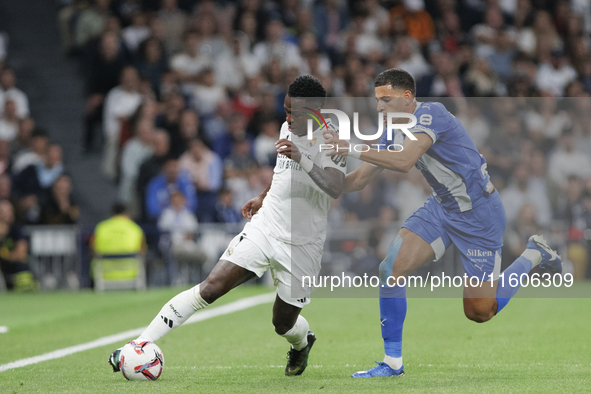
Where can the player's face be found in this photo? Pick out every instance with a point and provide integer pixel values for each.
(293, 117)
(391, 99)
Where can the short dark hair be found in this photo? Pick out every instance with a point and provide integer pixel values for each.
(118, 208)
(307, 86)
(397, 78)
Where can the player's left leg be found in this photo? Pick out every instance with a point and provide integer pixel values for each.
(482, 303)
(478, 234)
(295, 329)
(289, 265)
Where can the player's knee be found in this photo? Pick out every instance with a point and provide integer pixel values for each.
(478, 314)
(281, 326)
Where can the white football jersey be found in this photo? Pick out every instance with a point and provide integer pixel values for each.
(295, 208)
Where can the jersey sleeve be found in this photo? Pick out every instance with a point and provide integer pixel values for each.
(431, 120)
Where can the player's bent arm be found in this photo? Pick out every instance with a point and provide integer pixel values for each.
(330, 180)
(253, 205)
(401, 161)
(358, 179)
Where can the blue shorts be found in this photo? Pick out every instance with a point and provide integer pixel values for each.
(477, 233)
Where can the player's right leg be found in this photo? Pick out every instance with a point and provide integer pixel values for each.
(243, 260)
(408, 252)
(223, 278)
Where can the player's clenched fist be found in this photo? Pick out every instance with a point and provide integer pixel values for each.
(252, 207)
(288, 148)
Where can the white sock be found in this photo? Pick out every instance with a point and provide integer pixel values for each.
(393, 362)
(532, 255)
(298, 335)
(173, 314)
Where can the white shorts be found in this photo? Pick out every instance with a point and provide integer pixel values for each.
(255, 250)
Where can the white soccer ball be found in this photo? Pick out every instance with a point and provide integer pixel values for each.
(141, 361)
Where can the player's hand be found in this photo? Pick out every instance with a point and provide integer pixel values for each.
(288, 148)
(340, 147)
(252, 207)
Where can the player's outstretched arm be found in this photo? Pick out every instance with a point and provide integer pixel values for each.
(254, 204)
(401, 161)
(358, 179)
(330, 180)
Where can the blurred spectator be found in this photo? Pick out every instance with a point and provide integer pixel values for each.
(486, 34)
(11, 92)
(118, 236)
(60, 208)
(91, 22)
(153, 63)
(223, 144)
(189, 130)
(121, 102)
(23, 136)
(206, 94)
(137, 32)
(247, 102)
(225, 210)
(571, 209)
(276, 46)
(414, 20)
(174, 23)
(408, 57)
(477, 126)
(268, 110)
(151, 167)
(170, 121)
(9, 122)
(546, 123)
(241, 160)
(33, 154)
(566, 161)
(264, 144)
(37, 179)
(162, 186)
(103, 74)
(233, 67)
(5, 158)
(190, 63)
(554, 75)
(435, 84)
(519, 193)
(206, 170)
(330, 17)
(135, 152)
(181, 225)
(501, 57)
(503, 148)
(14, 252)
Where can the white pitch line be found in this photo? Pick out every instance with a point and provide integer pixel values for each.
(235, 306)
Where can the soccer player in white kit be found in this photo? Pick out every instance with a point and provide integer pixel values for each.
(285, 235)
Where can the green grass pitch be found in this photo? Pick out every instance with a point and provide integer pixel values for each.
(534, 345)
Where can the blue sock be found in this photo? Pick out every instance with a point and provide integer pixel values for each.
(392, 314)
(504, 293)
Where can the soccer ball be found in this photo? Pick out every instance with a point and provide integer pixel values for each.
(141, 361)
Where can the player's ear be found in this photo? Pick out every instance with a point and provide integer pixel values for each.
(408, 97)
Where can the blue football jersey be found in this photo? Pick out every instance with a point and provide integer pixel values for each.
(452, 165)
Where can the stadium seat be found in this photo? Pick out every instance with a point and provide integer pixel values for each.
(116, 272)
(54, 255)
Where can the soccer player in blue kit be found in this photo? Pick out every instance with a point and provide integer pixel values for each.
(465, 209)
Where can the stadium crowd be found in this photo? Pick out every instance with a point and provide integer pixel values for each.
(35, 188)
(190, 93)
(187, 96)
